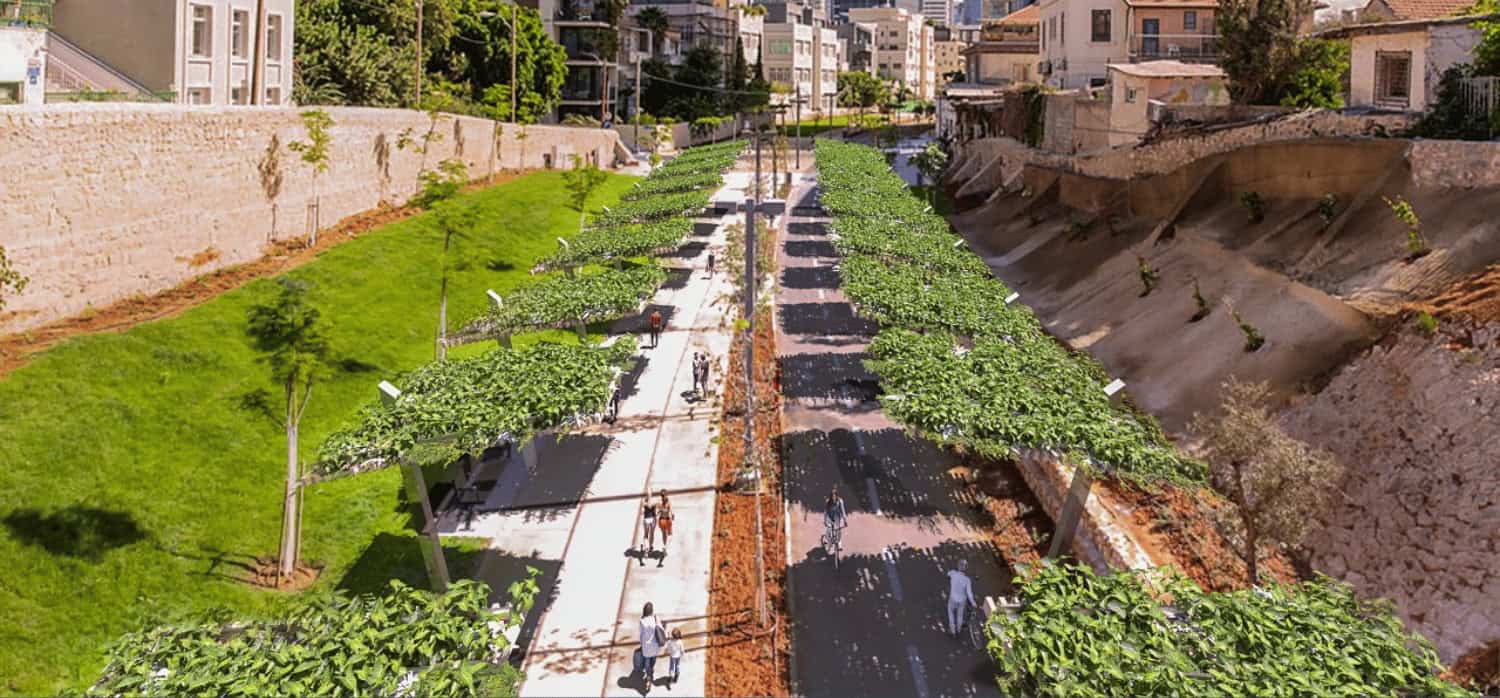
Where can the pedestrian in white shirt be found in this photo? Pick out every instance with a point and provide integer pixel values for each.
(960, 594)
(674, 653)
(653, 636)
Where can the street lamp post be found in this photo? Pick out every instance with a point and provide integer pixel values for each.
(751, 207)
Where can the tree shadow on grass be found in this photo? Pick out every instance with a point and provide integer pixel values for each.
(77, 531)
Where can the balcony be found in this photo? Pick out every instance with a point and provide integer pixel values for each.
(1188, 48)
(26, 13)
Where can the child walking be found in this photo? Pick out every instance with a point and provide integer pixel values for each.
(674, 653)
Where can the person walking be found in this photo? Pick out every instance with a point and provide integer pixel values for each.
(674, 655)
(614, 405)
(664, 518)
(655, 328)
(703, 373)
(960, 596)
(648, 526)
(697, 359)
(710, 263)
(652, 637)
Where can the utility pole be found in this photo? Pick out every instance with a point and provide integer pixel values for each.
(515, 83)
(799, 126)
(760, 557)
(418, 104)
(637, 111)
(258, 68)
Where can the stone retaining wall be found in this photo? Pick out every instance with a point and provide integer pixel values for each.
(1417, 518)
(102, 202)
(1100, 542)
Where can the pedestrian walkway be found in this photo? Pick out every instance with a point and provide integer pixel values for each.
(873, 625)
(577, 510)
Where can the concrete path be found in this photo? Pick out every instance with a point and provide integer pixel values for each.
(872, 626)
(576, 515)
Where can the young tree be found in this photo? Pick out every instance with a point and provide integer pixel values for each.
(581, 181)
(930, 164)
(655, 21)
(287, 329)
(454, 221)
(859, 90)
(1268, 63)
(10, 278)
(1277, 482)
(739, 81)
(314, 152)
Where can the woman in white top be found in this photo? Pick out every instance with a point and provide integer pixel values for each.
(652, 639)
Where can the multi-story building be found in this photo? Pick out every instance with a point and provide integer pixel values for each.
(226, 52)
(788, 57)
(828, 62)
(950, 59)
(23, 51)
(1080, 38)
(904, 48)
(1007, 51)
(858, 40)
(840, 8)
(942, 12)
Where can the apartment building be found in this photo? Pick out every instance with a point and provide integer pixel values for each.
(858, 42)
(788, 58)
(828, 62)
(23, 51)
(1080, 38)
(942, 12)
(218, 52)
(905, 50)
(1007, 51)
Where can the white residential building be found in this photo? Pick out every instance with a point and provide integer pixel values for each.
(1079, 39)
(789, 56)
(939, 11)
(905, 51)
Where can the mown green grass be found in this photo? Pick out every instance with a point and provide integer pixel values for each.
(137, 474)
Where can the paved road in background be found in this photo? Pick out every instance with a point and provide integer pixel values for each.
(873, 626)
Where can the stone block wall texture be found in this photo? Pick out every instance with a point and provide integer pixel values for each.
(1417, 519)
(102, 202)
(1100, 541)
(1163, 156)
(1460, 164)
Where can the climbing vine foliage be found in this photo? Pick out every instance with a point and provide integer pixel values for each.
(407, 642)
(957, 361)
(1136, 633)
(458, 406)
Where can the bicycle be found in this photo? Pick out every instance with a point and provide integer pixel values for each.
(975, 625)
(832, 540)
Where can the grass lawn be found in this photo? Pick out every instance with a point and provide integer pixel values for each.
(139, 476)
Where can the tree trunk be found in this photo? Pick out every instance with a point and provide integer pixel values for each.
(583, 332)
(442, 349)
(1251, 568)
(288, 554)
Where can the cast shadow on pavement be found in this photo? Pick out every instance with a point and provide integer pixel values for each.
(810, 277)
(875, 625)
(824, 319)
(908, 476)
(807, 229)
(840, 377)
(810, 248)
(565, 469)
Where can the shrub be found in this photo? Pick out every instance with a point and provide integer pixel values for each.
(1255, 206)
(1416, 242)
(1328, 207)
(1427, 323)
(1149, 277)
(1203, 307)
(1253, 338)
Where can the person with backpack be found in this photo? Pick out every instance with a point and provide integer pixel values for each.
(653, 636)
(655, 328)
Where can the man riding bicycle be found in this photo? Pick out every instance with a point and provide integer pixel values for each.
(835, 517)
(960, 596)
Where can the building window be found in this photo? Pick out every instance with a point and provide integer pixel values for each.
(199, 95)
(1190, 20)
(239, 24)
(239, 94)
(781, 47)
(273, 96)
(1100, 33)
(1393, 77)
(273, 38)
(10, 93)
(203, 31)
(1130, 94)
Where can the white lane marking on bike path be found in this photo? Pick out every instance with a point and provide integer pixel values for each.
(859, 447)
(890, 569)
(918, 676)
